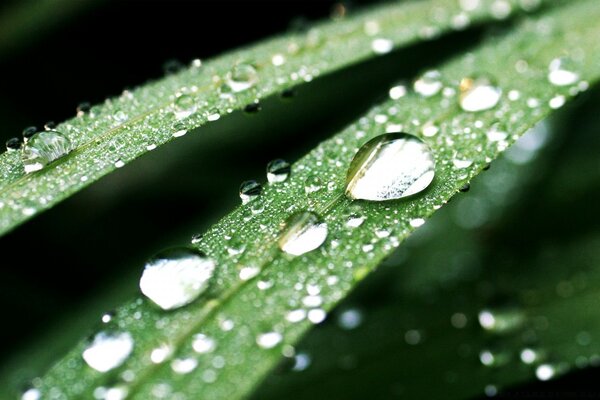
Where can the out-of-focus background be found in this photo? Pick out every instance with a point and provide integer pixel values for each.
(533, 214)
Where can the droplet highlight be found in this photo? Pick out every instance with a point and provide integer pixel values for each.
(108, 350)
(303, 232)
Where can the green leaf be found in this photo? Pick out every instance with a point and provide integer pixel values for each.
(237, 311)
(120, 130)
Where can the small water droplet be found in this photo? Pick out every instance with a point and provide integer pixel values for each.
(317, 315)
(278, 59)
(176, 277)
(242, 77)
(561, 72)
(354, 216)
(350, 319)
(179, 129)
(478, 94)
(303, 232)
(557, 101)
(501, 320)
(382, 46)
(416, 222)
(108, 350)
(250, 190)
(296, 315)
(28, 133)
(429, 129)
(31, 394)
(397, 92)
(43, 148)
(462, 164)
(252, 108)
(390, 166)
(172, 66)
(465, 188)
(312, 184)
(248, 273)
(161, 353)
(184, 365)
(213, 115)
(203, 344)
(197, 238)
(429, 84)
(413, 337)
(119, 163)
(13, 144)
(529, 356)
(545, 372)
(278, 170)
(301, 362)
(83, 108)
(269, 340)
(185, 106)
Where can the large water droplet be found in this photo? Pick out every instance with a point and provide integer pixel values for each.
(250, 190)
(561, 72)
(176, 277)
(278, 170)
(303, 232)
(390, 166)
(13, 144)
(428, 84)
(43, 148)
(478, 94)
(184, 106)
(108, 350)
(242, 77)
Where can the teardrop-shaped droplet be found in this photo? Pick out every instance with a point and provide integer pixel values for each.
(390, 166)
(478, 94)
(561, 72)
(108, 350)
(250, 190)
(303, 232)
(43, 148)
(429, 84)
(278, 170)
(176, 277)
(242, 77)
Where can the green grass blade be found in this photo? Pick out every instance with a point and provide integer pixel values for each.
(122, 129)
(237, 310)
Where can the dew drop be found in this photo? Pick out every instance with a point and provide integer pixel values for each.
(31, 394)
(28, 133)
(350, 319)
(354, 216)
(296, 315)
(43, 148)
(397, 92)
(312, 184)
(301, 362)
(269, 340)
(252, 108)
(278, 170)
(478, 94)
(184, 106)
(461, 164)
(108, 350)
(390, 166)
(529, 356)
(561, 72)
(502, 320)
(303, 232)
(250, 190)
(213, 115)
(242, 77)
(248, 273)
(203, 344)
(176, 277)
(382, 46)
(13, 144)
(545, 372)
(428, 84)
(161, 353)
(184, 365)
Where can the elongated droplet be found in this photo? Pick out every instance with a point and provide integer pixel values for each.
(561, 72)
(250, 190)
(108, 350)
(478, 94)
(176, 277)
(278, 170)
(302, 233)
(390, 166)
(242, 77)
(43, 148)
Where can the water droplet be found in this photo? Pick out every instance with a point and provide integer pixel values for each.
(561, 72)
(428, 84)
(545, 372)
(176, 277)
(493, 358)
(312, 184)
(278, 59)
(461, 164)
(184, 365)
(382, 46)
(302, 233)
(28, 133)
(502, 320)
(248, 273)
(250, 190)
(119, 163)
(278, 170)
(429, 129)
(252, 108)
(31, 394)
(172, 66)
(413, 337)
(397, 92)
(203, 344)
(43, 148)
(161, 353)
(478, 94)
(119, 116)
(213, 115)
(350, 319)
(107, 317)
(184, 106)
(242, 77)
(296, 315)
(390, 166)
(416, 222)
(13, 144)
(317, 315)
(529, 356)
(557, 101)
(83, 108)
(197, 238)
(490, 390)
(269, 340)
(301, 362)
(354, 216)
(108, 350)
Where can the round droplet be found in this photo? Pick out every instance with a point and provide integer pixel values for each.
(83, 108)
(350, 319)
(242, 77)
(176, 277)
(250, 190)
(13, 144)
(545, 372)
(303, 232)
(478, 94)
(382, 46)
(269, 340)
(390, 166)
(28, 133)
(312, 184)
(31, 394)
(184, 106)
(252, 108)
(561, 72)
(429, 84)
(203, 344)
(278, 170)
(184, 365)
(43, 148)
(354, 216)
(108, 350)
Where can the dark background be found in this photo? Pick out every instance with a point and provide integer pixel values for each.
(88, 51)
